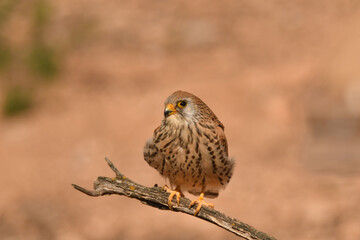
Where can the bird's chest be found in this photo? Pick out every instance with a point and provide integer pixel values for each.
(188, 147)
(179, 139)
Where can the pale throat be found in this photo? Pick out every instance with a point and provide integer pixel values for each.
(176, 121)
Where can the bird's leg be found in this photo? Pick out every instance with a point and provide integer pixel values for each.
(176, 192)
(200, 201)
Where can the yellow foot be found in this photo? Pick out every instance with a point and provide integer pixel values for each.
(177, 192)
(200, 203)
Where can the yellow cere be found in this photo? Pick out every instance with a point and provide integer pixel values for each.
(170, 107)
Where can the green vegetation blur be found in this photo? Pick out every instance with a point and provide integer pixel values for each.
(38, 59)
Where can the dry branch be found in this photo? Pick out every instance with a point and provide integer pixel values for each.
(157, 197)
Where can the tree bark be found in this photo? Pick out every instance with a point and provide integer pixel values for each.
(157, 197)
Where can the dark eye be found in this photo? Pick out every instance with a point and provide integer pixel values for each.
(181, 104)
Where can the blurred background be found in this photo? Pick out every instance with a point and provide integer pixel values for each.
(80, 80)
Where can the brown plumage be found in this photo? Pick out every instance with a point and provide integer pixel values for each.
(190, 149)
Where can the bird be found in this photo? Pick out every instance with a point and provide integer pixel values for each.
(190, 150)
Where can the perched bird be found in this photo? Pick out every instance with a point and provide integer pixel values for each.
(189, 148)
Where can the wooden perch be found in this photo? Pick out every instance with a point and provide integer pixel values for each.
(157, 197)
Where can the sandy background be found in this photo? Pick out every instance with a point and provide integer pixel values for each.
(283, 77)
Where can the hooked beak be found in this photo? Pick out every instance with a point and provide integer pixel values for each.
(169, 110)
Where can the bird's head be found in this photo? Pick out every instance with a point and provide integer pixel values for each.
(183, 106)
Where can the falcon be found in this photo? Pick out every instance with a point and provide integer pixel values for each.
(189, 149)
